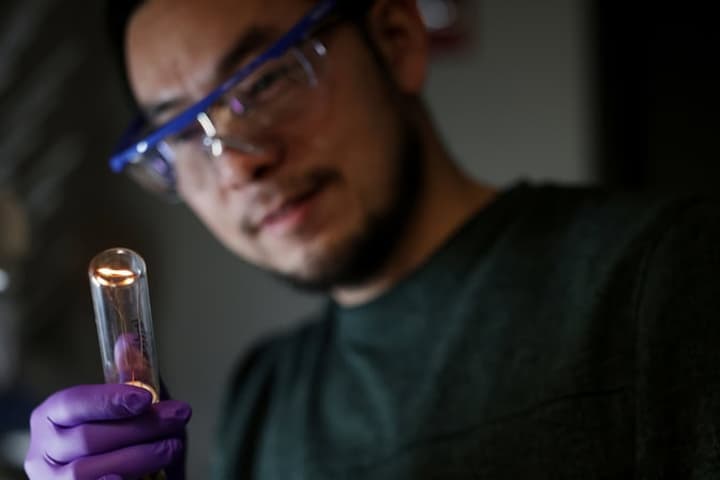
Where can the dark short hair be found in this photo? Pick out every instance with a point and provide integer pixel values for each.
(118, 14)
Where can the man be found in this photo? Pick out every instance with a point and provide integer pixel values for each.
(471, 333)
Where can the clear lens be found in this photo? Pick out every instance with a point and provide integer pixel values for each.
(154, 170)
(276, 95)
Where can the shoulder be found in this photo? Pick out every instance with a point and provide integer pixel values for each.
(597, 245)
(590, 221)
(573, 208)
(676, 344)
(679, 282)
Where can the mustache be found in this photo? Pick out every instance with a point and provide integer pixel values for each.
(272, 195)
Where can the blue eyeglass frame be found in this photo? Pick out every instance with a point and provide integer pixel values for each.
(126, 153)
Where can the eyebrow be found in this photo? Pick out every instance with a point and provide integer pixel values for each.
(249, 42)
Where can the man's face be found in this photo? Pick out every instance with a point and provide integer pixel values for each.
(326, 187)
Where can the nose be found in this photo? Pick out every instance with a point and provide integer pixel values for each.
(238, 163)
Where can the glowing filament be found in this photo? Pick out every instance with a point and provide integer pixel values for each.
(114, 277)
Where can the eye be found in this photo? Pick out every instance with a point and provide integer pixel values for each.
(192, 133)
(268, 84)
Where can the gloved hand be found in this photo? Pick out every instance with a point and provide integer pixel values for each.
(110, 431)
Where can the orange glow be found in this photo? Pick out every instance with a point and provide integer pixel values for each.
(113, 277)
(135, 383)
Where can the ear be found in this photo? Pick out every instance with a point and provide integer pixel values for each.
(398, 30)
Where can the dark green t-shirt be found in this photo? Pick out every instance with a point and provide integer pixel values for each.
(560, 333)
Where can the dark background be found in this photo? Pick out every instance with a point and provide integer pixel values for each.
(656, 94)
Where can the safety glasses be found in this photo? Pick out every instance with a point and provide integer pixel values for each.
(272, 89)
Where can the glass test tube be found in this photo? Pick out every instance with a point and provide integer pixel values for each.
(119, 287)
(118, 282)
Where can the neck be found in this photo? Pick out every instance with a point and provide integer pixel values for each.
(448, 199)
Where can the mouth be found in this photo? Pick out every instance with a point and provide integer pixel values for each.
(291, 213)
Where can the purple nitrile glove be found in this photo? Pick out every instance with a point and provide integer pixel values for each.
(89, 432)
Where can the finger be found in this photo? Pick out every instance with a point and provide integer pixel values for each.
(36, 466)
(129, 462)
(130, 358)
(164, 420)
(90, 403)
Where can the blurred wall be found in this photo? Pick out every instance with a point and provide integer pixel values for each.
(515, 104)
(59, 112)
